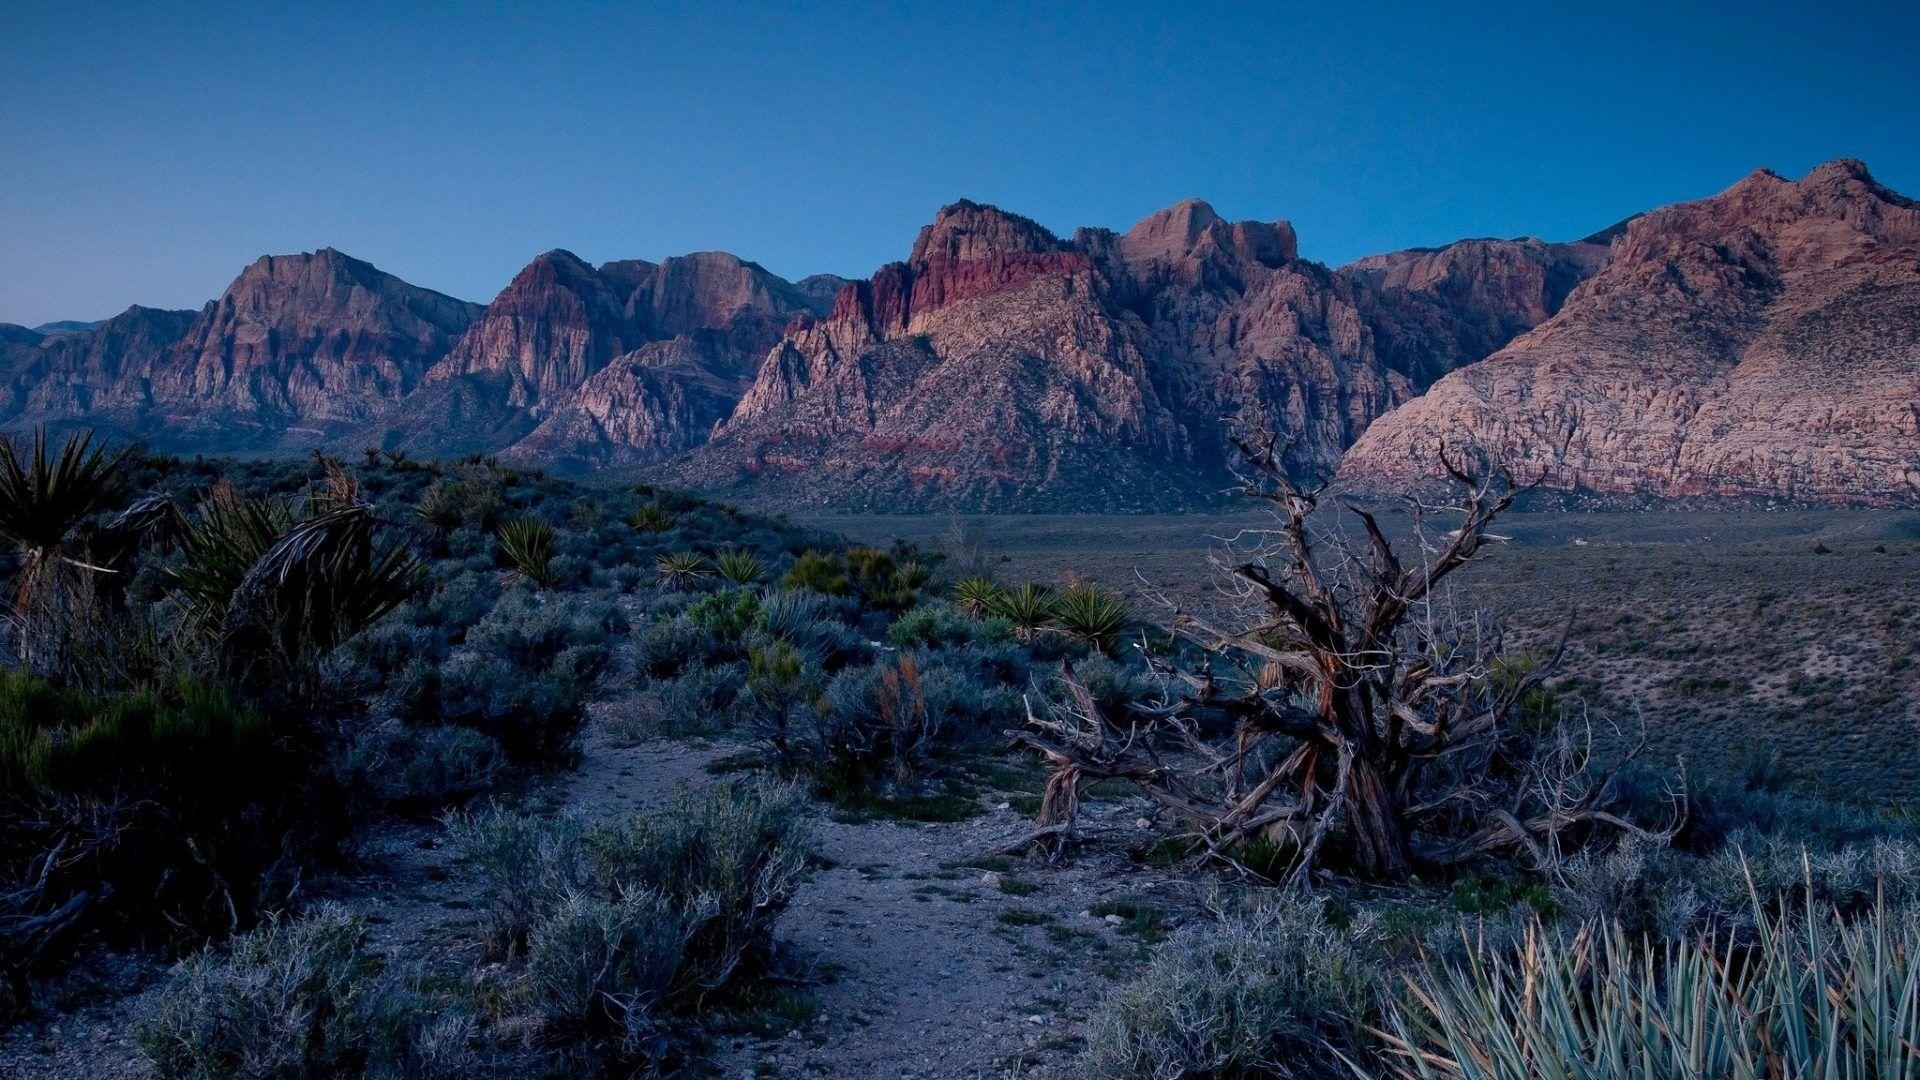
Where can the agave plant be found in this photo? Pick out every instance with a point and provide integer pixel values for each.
(1089, 616)
(683, 569)
(1029, 608)
(976, 596)
(44, 501)
(741, 566)
(527, 546)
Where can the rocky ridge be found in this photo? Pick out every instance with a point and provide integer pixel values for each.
(1760, 344)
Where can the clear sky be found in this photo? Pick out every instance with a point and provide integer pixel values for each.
(152, 151)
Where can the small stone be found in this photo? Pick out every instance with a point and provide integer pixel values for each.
(1115, 920)
(990, 879)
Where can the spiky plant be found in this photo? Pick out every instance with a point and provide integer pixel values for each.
(976, 596)
(44, 501)
(1029, 608)
(741, 566)
(1090, 616)
(527, 547)
(1814, 996)
(439, 508)
(650, 518)
(683, 569)
(268, 593)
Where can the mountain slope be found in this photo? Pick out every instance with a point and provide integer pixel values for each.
(561, 323)
(1762, 343)
(1002, 366)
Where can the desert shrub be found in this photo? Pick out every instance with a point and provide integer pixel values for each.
(670, 646)
(878, 578)
(1253, 994)
(783, 684)
(628, 925)
(889, 581)
(1811, 995)
(929, 626)
(813, 624)
(699, 702)
(599, 968)
(822, 572)
(426, 767)
(166, 811)
(725, 615)
(527, 548)
(295, 999)
(526, 669)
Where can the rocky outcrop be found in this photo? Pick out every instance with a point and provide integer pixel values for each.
(298, 348)
(1002, 366)
(530, 367)
(303, 346)
(1762, 343)
(1432, 310)
(103, 377)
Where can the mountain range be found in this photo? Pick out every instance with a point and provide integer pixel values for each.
(1761, 344)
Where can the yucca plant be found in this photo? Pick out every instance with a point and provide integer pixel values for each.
(44, 501)
(1813, 997)
(1090, 616)
(527, 547)
(270, 592)
(741, 566)
(651, 518)
(439, 508)
(1029, 608)
(976, 596)
(683, 569)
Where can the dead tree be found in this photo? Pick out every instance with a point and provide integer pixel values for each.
(1356, 708)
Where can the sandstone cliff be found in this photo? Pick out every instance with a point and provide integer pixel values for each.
(1762, 343)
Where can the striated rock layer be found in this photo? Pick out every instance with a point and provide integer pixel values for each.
(298, 348)
(1003, 366)
(565, 354)
(1762, 343)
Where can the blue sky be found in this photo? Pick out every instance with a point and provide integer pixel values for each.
(151, 151)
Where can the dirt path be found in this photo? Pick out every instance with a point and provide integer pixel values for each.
(941, 957)
(937, 956)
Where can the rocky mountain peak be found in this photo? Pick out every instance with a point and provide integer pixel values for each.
(965, 231)
(1763, 342)
(1191, 231)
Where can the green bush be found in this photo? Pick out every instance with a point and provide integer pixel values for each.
(726, 615)
(298, 999)
(626, 926)
(822, 572)
(153, 813)
(1257, 994)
